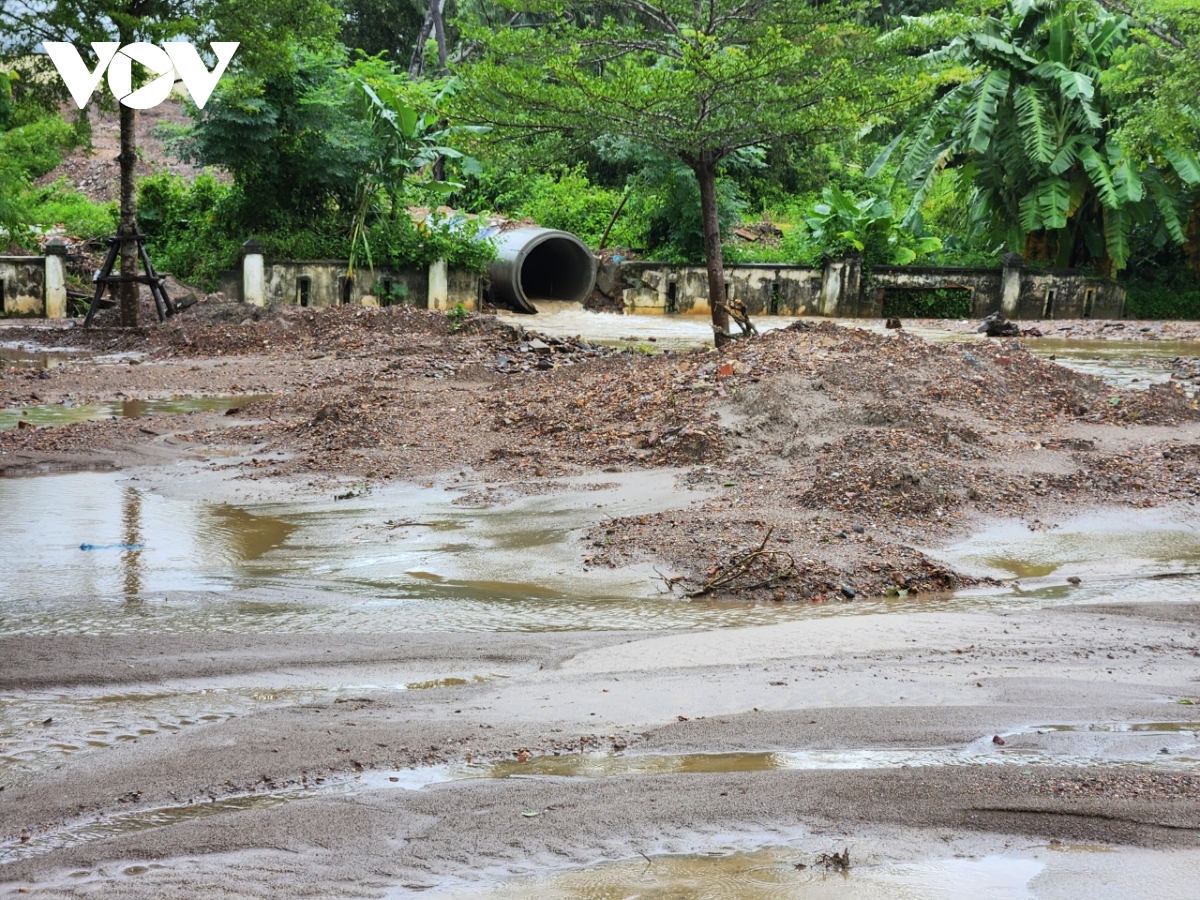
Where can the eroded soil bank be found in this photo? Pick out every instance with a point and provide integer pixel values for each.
(814, 467)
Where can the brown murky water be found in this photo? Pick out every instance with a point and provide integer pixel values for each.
(1108, 548)
(20, 357)
(95, 553)
(52, 414)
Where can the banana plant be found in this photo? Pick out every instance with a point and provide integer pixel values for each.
(1024, 124)
(407, 145)
(840, 223)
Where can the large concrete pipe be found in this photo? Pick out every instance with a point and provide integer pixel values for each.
(540, 264)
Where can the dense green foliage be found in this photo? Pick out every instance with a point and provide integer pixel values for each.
(1025, 125)
(1065, 129)
(192, 228)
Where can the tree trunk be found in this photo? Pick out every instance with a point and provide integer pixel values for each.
(705, 167)
(417, 66)
(129, 293)
(439, 32)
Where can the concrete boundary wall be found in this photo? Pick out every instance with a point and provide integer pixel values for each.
(35, 286)
(323, 282)
(842, 289)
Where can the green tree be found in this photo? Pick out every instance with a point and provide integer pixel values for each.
(261, 26)
(696, 82)
(287, 139)
(1026, 125)
(1156, 78)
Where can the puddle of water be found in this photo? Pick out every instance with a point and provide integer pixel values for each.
(22, 357)
(1129, 543)
(1125, 364)
(146, 542)
(70, 413)
(774, 875)
(982, 752)
(175, 565)
(674, 332)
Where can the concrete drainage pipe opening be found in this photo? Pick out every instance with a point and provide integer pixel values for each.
(535, 264)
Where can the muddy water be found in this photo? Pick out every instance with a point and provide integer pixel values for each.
(1047, 872)
(1104, 548)
(68, 413)
(30, 358)
(97, 553)
(1125, 364)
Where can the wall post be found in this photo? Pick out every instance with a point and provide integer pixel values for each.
(841, 285)
(55, 293)
(439, 285)
(254, 287)
(1010, 284)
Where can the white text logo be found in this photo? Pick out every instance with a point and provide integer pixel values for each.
(175, 59)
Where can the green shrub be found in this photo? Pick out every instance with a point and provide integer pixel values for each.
(188, 226)
(401, 244)
(1174, 299)
(58, 205)
(36, 148)
(944, 303)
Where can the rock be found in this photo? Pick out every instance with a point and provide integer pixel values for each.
(858, 529)
(181, 294)
(996, 325)
(848, 591)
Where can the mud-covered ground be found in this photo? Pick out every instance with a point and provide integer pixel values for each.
(824, 456)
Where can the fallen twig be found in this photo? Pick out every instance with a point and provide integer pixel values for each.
(740, 566)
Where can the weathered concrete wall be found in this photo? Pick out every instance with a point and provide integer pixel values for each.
(322, 282)
(765, 289)
(842, 289)
(984, 285)
(23, 285)
(1051, 294)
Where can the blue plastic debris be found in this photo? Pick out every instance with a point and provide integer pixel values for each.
(112, 546)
